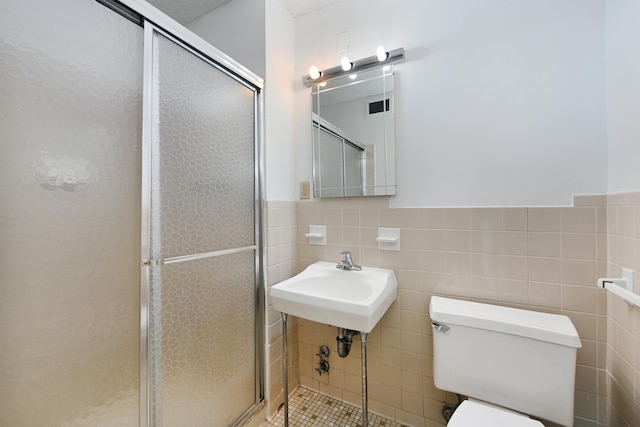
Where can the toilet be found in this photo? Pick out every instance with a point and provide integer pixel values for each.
(512, 364)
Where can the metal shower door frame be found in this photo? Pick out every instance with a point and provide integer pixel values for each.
(221, 62)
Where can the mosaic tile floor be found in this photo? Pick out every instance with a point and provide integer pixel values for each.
(310, 409)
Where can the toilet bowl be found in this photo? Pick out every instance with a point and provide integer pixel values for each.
(473, 413)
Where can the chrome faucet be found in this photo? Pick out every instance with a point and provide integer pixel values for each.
(346, 263)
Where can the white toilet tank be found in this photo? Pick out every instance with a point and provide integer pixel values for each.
(518, 359)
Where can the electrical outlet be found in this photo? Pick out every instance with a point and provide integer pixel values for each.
(305, 190)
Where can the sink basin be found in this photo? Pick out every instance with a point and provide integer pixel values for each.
(348, 299)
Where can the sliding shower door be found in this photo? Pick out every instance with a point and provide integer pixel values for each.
(200, 204)
(110, 129)
(70, 167)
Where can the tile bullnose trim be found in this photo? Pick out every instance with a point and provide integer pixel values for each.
(589, 200)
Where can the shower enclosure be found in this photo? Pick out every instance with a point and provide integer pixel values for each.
(131, 273)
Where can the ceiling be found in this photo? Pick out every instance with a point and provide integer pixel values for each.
(187, 11)
(304, 7)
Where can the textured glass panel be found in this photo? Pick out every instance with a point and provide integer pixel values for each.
(353, 170)
(70, 120)
(203, 341)
(204, 156)
(329, 165)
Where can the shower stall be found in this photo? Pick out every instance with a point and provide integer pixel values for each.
(131, 224)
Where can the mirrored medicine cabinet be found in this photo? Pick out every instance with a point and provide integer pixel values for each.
(354, 134)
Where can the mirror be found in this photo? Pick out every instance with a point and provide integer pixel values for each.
(353, 135)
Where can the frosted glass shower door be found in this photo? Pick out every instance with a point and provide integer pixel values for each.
(203, 244)
(70, 156)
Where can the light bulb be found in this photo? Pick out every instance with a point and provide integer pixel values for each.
(353, 76)
(323, 84)
(314, 73)
(381, 54)
(346, 64)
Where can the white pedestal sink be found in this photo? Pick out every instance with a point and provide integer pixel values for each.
(354, 300)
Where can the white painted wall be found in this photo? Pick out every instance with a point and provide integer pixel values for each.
(499, 103)
(279, 103)
(237, 29)
(623, 94)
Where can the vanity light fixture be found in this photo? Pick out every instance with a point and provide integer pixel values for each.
(314, 73)
(346, 64)
(347, 67)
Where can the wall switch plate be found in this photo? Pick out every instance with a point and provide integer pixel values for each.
(342, 43)
(305, 189)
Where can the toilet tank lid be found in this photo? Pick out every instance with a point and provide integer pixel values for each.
(553, 328)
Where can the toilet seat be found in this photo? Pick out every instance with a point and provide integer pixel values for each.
(472, 413)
